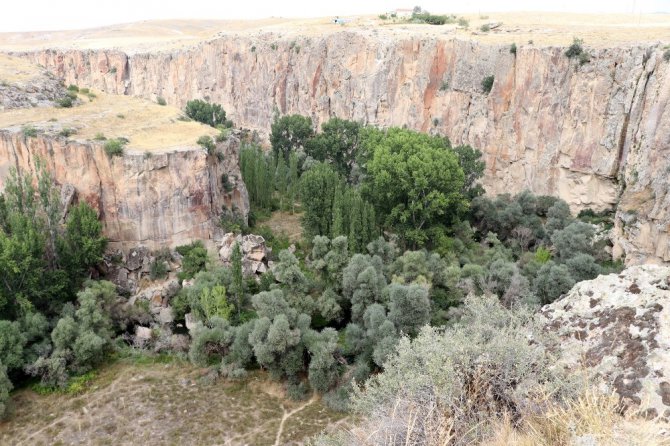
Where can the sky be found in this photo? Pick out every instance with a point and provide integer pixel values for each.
(39, 15)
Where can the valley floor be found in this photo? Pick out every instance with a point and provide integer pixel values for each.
(147, 402)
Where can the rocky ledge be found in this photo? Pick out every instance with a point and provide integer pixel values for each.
(618, 327)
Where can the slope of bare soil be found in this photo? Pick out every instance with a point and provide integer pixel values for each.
(131, 403)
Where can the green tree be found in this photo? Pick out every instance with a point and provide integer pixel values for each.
(237, 287)
(317, 189)
(415, 182)
(82, 244)
(552, 281)
(290, 133)
(210, 114)
(409, 307)
(215, 304)
(473, 169)
(338, 144)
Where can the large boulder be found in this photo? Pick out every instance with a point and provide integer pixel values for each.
(617, 326)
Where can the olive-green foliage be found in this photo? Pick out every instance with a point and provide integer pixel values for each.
(290, 133)
(552, 281)
(362, 283)
(575, 50)
(482, 367)
(413, 181)
(215, 304)
(81, 337)
(207, 143)
(189, 298)
(317, 189)
(210, 114)
(210, 342)
(194, 259)
(409, 307)
(5, 388)
(114, 147)
(487, 84)
(37, 272)
(158, 269)
(574, 239)
(337, 144)
(161, 100)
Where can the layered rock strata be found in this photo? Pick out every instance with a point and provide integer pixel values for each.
(168, 197)
(596, 134)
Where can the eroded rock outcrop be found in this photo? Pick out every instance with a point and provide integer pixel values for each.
(168, 198)
(618, 327)
(593, 134)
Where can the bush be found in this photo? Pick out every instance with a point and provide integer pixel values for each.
(114, 147)
(463, 22)
(444, 86)
(67, 132)
(29, 131)
(575, 50)
(5, 388)
(194, 261)
(666, 55)
(73, 87)
(483, 368)
(487, 84)
(584, 58)
(207, 143)
(512, 49)
(158, 270)
(485, 28)
(65, 102)
(99, 137)
(161, 100)
(202, 111)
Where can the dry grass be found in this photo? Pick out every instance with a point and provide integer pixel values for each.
(15, 70)
(591, 419)
(520, 27)
(287, 224)
(159, 404)
(148, 126)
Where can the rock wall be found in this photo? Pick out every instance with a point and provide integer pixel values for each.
(616, 327)
(596, 134)
(169, 198)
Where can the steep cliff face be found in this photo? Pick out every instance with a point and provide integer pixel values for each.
(595, 135)
(168, 198)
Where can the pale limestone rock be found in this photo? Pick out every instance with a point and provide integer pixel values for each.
(548, 125)
(190, 321)
(166, 315)
(143, 333)
(617, 326)
(168, 199)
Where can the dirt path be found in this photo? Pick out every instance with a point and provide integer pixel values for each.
(288, 415)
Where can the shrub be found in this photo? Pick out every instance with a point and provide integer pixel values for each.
(158, 269)
(5, 387)
(195, 259)
(29, 131)
(207, 143)
(67, 131)
(575, 49)
(481, 369)
(512, 49)
(444, 86)
(485, 28)
(84, 91)
(584, 58)
(383, 17)
(114, 147)
(202, 111)
(99, 137)
(487, 84)
(161, 100)
(463, 22)
(72, 87)
(112, 70)
(666, 55)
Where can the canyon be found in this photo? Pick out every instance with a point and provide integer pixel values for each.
(595, 134)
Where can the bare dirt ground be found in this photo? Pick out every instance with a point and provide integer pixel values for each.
(164, 404)
(147, 125)
(541, 28)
